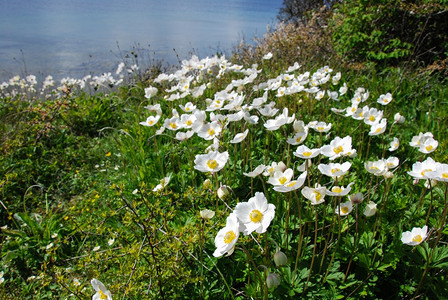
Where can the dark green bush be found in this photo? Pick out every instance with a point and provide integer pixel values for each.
(392, 31)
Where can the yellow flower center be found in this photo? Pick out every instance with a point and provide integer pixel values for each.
(320, 128)
(229, 237)
(211, 131)
(188, 122)
(372, 118)
(212, 164)
(318, 195)
(187, 109)
(173, 125)
(307, 153)
(361, 114)
(291, 184)
(282, 180)
(379, 129)
(417, 238)
(335, 170)
(150, 122)
(256, 216)
(429, 148)
(390, 165)
(338, 149)
(336, 189)
(344, 209)
(444, 175)
(425, 170)
(298, 139)
(102, 295)
(374, 168)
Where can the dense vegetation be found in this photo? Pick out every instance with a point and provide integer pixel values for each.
(285, 171)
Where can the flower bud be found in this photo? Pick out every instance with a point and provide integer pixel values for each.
(280, 258)
(223, 192)
(388, 175)
(273, 281)
(398, 118)
(370, 209)
(356, 198)
(207, 184)
(207, 214)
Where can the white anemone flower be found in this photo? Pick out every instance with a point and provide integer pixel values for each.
(227, 237)
(102, 293)
(151, 121)
(292, 185)
(394, 144)
(256, 214)
(267, 56)
(281, 177)
(172, 123)
(211, 162)
(428, 146)
(239, 137)
(337, 148)
(150, 91)
(306, 153)
(189, 107)
(298, 138)
(370, 209)
(258, 170)
(420, 139)
(385, 99)
(210, 130)
(392, 162)
(344, 209)
(424, 169)
(378, 127)
(334, 169)
(377, 168)
(182, 136)
(340, 190)
(162, 184)
(415, 237)
(315, 195)
(441, 172)
(321, 127)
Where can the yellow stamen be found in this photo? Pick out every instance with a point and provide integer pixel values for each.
(150, 122)
(429, 148)
(282, 180)
(173, 125)
(372, 118)
(211, 131)
(425, 170)
(256, 216)
(212, 164)
(102, 295)
(291, 184)
(318, 195)
(335, 170)
(188, 123)
(338, 149)
(229, 237)
(379, 129)
(307, 153)
(344, 209)
(336, 189)
(320, 128)
(444, 175)
(417, 238)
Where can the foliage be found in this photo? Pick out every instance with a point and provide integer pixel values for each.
(391, 31)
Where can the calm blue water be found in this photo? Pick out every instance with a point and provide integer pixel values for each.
(80, 37)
